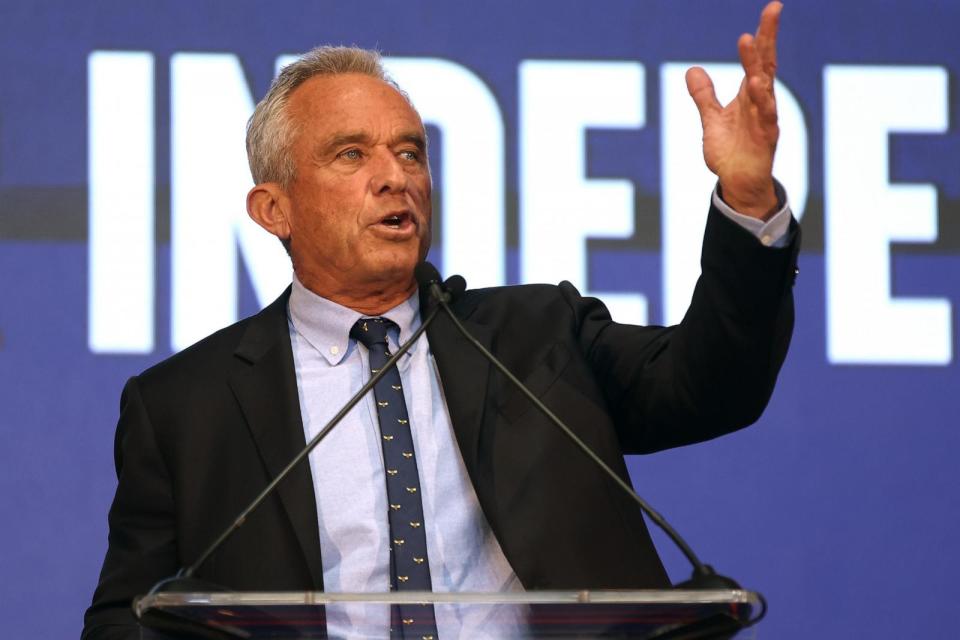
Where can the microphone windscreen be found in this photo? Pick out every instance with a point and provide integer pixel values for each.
(455, 285)
(426, 274)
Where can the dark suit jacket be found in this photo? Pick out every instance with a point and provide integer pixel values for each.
(201, 433)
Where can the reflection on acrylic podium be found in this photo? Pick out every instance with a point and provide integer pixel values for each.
(659, 614)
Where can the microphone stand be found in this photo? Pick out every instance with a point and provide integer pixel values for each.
(704, 576)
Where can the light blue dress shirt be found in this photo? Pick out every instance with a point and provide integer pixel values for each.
(348, 474)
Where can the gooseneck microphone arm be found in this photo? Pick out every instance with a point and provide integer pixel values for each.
(704, 577)
(187, 572)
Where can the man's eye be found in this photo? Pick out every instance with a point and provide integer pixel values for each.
(410, 154)
(351, 154)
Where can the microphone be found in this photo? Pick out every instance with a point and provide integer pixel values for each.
(455, 285)
(704, 576)
(427, 278)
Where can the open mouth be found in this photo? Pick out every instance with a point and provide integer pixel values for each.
(396, 220)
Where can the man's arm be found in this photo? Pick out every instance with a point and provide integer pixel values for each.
(142, 539)
(715, 371)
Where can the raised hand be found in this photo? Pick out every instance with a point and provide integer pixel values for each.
(739, 139)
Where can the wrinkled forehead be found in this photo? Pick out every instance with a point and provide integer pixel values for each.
(334, 104)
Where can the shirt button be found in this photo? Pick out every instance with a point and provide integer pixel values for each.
(334, 350)
(766, 240)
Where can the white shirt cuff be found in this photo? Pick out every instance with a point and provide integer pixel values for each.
(770, 233)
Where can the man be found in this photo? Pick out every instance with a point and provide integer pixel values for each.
(502, 500)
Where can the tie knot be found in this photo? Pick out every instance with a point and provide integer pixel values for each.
(371, 331)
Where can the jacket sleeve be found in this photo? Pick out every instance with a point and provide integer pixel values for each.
(142, 538)
(715, 371)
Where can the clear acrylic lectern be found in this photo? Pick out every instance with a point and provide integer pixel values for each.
(672, 614)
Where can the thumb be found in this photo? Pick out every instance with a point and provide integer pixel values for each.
(700, 87)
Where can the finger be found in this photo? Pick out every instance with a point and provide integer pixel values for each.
(764, 100)
(766, 38)
(758, 83)
(701, 90)
(749, 58)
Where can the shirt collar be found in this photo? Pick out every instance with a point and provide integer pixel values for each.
(326, 325)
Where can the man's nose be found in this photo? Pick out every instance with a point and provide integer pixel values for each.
(388, 175)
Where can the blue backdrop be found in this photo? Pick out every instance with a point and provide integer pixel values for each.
(841, 504)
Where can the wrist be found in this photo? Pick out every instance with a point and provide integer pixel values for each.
(757, 202)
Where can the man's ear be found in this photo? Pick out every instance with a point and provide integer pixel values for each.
(267, 205)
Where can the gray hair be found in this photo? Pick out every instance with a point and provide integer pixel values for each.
(270, 130)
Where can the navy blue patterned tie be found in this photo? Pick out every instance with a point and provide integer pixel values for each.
(409, 566)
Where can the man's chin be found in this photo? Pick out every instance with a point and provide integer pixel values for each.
(399, 257)
(396, 268)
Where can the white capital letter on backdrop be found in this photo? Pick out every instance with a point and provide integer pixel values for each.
(210, 179)
(559, 206)
(120, 117)
(687, 183)
(864, 213)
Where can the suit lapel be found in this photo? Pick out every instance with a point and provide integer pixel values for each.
(464, 375)
(265, 385)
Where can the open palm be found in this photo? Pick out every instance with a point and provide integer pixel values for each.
(739, 139)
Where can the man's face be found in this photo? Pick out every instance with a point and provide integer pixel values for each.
(359, 207)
